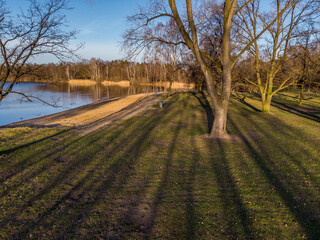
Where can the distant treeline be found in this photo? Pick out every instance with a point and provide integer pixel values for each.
(307, 72)
(118, 70)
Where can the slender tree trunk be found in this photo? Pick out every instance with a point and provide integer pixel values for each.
(301, 94)
(170, 86)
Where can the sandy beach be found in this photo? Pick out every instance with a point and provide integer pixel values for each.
(94, 115)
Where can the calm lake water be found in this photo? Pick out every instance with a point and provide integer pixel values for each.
(13, 108)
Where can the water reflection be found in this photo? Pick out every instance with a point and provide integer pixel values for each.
(68, 96)
(96, 91)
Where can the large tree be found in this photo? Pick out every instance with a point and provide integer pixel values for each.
(193, 27)
(38, 30)
(274, 70)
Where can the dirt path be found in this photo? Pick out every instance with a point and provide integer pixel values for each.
(93, 116)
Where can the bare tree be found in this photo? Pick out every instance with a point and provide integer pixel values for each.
(38, 30)
(307, 53)
(190, 19)
(271, 55)
(170, 54)
(96, 69)
(131, 72)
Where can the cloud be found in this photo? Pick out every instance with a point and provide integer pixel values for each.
(86, 31)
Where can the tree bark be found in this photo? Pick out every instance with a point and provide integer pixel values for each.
(222, 103)
(219, 128)
(219, 96)
(266, 103)
(301, 94)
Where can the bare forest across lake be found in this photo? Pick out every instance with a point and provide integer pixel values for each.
(112, 71)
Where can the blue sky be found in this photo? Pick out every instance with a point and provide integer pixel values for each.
(100, 25)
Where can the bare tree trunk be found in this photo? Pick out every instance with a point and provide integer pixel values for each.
(221, 103)
(266, 103)
(68, 72)
(301, 94)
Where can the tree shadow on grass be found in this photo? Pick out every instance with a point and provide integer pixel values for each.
(163, 189)
(8, 151)
(44, 157)
(88, 190)
(192, 217)
(302, 201)
(290, 106)
(21, 164)
(158, 198)
(206, 106)
(236, 215)
(297, 110)
(243, 101)
(44, 154)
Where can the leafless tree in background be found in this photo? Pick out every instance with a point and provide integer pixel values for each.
(38, 30)
(307, 54)
(274, 71)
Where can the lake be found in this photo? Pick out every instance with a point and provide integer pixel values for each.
(14, 108)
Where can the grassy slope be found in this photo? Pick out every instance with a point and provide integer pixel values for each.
(156, 176)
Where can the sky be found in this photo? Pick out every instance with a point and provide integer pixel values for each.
(100, 24)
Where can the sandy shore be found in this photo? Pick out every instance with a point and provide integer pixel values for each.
(94, 115)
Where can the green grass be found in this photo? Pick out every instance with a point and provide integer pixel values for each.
(155, 176)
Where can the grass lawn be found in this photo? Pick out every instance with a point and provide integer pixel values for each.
(155, 176)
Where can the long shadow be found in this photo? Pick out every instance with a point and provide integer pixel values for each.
(235, 210)
(34, 142)
(161, 191)
(288, 131)
(233, 206)
(20, 166)
(282, 95)
(282, 127)
(119, 172)
(192, 217)
(242, 100)
(23, 164)
(38, 156)
(133, 107)
(285, 187)
(206, 106)
(41, 156)
(295, 110)
(57, 179)
(289, 107)
(134, 154)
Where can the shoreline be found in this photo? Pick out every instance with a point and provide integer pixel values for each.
(101, 111)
